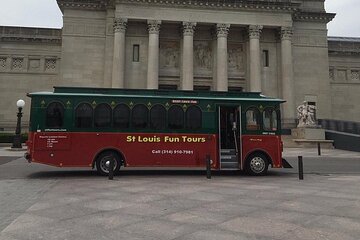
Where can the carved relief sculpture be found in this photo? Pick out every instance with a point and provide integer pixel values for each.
(169, 54)
(202, 55)
(2, 62)
(50, 64)
(355, 76)
(235, 58)
(17, 63)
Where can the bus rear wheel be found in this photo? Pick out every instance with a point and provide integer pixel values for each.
(103, 162)
(257, 164)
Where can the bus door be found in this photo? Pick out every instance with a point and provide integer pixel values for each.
(230, 136)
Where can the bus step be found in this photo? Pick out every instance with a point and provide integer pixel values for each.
(228, 158)
(229, 165)
(228, 151)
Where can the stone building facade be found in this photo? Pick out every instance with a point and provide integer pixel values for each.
(344, 74)
(29, 61)
(277, 47)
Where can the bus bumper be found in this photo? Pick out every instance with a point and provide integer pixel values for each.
(285, 163)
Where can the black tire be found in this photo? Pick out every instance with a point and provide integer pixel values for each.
(102, 162)
(257, 164)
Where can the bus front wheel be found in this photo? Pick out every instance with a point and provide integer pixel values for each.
(257, 164)
(103, 162)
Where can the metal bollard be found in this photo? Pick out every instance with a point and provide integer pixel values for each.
(301, 168)
(319, 149)
(208, 167)
(111, 168)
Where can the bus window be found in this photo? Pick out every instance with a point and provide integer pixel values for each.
(270, 119)
(102, 115)
(175, 117)
(121, 116)
(140, 115)
(193, 117)
(158, 117)
(55, 115)
(252, 119)
(83, 115)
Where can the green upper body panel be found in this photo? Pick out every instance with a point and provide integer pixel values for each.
(207, 101)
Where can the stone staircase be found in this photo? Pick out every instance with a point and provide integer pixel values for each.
(291, 142)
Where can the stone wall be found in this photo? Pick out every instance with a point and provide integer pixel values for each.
(344, 75)
(310, 54)
(83, 48)
(29, 61)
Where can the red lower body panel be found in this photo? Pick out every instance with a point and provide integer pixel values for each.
(139, 150)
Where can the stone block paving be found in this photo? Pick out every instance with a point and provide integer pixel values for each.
(184, 206)
(50, 203)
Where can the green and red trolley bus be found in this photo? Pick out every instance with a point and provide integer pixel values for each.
(83, 127)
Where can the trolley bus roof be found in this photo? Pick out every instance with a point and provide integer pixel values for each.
(170, 94)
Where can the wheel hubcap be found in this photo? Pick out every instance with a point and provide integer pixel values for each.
(257, 164)
(105, 164)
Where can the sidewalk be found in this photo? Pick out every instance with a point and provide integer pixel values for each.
(8, 152)
(313, 152)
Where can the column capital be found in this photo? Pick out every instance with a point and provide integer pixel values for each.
(222, 29)
(255, 31)
(188, 28)
(286, 33)
(120, 24)
(154, 26)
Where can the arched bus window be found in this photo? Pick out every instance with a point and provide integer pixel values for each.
(139, 117)
(270, 119)
(175, 117)
(102, 115)
(121, 116)
(158, 117)
(193, 117)
(252, 119)
(83, 116)
(55, 115)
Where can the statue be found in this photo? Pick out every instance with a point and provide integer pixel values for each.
(306, 115)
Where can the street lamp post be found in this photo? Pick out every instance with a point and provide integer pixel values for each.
(17, 138)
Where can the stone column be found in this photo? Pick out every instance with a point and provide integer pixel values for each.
(118, 69)
(222, 31)
(287, 75)
(187, 82)
(153, 54)
(255, 66)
